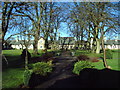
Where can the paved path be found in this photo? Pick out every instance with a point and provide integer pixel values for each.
(63, 69)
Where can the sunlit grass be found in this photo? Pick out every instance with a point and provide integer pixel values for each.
(12, 52)
(113, 63)
(13, 77)
(13, 55)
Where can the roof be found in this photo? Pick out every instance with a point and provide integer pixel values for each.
(50, 42)
(111, 42)
(14, 42)
(66, 40)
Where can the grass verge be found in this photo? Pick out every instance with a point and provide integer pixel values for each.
(113, 63)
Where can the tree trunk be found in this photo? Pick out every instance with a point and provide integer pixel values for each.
(3, 34)
(35, 45)
(46, 44)
(78, 45)
(98, 45)
(35, 48)
(104, 59)
(6, 19)
(82, 42)
(93, 48)
(89, 40)
(26, 59)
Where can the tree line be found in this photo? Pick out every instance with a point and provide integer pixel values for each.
(32, 19)
(84, 19)
(93, 20)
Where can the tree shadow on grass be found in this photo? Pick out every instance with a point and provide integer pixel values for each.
(13, 62)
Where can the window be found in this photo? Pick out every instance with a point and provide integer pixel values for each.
(40, 41)
(40, 46)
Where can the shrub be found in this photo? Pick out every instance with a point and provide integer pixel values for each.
(42, 68)
(78, 66)
(30, 66)
(27, 75)
(83, 57)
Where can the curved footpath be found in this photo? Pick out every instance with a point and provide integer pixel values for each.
(63, 67)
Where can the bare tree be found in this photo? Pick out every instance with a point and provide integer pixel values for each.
(95, 18)
(6, 17)
(51, 22)
(26, 35)
(42, 17)
(33, 11)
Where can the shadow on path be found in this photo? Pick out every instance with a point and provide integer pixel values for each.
(62, 77)
(63, 66)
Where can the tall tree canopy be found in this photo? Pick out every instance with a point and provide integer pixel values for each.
(84, 19)
(96, 18)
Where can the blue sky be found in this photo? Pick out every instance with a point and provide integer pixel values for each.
(64, 32)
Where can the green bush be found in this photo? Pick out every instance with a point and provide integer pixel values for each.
(78, 66)
(27, 75)
(42, 68)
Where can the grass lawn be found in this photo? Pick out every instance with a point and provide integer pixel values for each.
(113, 63)
(13, 76)
(12, 55)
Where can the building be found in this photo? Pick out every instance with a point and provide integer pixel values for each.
(19, 44)
(61, 43)
(109, 44)
(66, 43)
(41, 43)
(112, 44)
